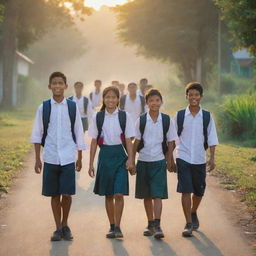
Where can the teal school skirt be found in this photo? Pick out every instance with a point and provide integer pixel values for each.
(112, 176)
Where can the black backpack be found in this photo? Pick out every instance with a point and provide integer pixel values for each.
(85, 103)
(100, 116)
(166, 124)
(206, 121)
(47, 113)
(142, 101)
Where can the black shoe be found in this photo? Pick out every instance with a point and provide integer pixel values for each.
(111, 233)
(187, 232)
(57, 235)
(118, 233)
(158, 233)
(149, 230)
(66, 233)
(195, 221)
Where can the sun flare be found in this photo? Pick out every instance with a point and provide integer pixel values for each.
(97, 4)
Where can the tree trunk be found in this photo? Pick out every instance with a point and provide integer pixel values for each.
(9, 51)
(199, 69)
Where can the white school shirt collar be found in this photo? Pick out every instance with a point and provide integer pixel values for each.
(187, 112)
(109, 114)
(75, 97)
(64, 101)
(159, 118)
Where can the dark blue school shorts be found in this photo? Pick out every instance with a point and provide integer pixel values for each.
(59, 180)
(191, 177)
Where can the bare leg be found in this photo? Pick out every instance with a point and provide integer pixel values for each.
(148, 204)
(109, 204)
(158, 208)
(56, 210)
(119, 206)
(186, 204)
(196, 202)
(66, 204)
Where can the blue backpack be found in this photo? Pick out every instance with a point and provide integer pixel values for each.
(47, 113)
(206, 121)
(85, 103)
(165, 123)
(100, 116)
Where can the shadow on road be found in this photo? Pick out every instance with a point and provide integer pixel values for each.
(118, 248)
(205, 246)
(161, 248)
(60, 248)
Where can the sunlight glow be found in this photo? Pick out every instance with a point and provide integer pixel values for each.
(97, 4)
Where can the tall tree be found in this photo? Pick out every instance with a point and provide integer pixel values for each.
(241, 21)
(182, 32)
(24, 22)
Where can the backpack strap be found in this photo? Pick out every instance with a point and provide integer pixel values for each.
(100, 116)
(122, 102)
(166, 125)
(72, 116)
(46, 119)
(142, 101)
(86, 100)
(180, 120)
(122, 120)
(143, 121)
(71, 97)
(206, 121)
(90, 96)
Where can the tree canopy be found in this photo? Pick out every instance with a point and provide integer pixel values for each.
(240, 16)
(182, 32)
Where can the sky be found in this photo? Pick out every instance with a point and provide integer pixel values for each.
(97, 4)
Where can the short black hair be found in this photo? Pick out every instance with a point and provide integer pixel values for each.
(97, 81)
(194, 86)
(57, 74)
(78, 82)
(131, 84)
(153, 92)
(143, 80)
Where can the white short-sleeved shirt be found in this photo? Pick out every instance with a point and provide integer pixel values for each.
(111, 129)
(133, 107)
(153, 138)
(96, 99)
(190, 145)
(80, 104)
(59, 148)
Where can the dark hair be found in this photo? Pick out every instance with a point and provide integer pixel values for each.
(97, 81)
(78, 82)
(194, 86)
(106, 91)
(57, 74)
(153, 92)
(143, 80)
(130, 84)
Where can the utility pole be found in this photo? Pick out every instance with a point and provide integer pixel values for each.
(219, 53)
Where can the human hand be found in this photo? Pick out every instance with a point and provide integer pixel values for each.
(78, 165)
(38, 166)
(91, 172)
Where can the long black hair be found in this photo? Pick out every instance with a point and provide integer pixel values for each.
(115, 90)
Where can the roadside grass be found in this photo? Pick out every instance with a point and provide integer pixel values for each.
(15, 129)
(237, 168)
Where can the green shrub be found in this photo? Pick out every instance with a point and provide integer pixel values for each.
(238, 117)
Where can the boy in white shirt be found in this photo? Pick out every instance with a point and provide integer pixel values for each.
(96, 96)
(197, 132)
(83, 104)
(154, 140)
(132, 103)
(58, 128)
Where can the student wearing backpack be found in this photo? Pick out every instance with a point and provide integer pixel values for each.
(96, 96)
(83, 104)
(154, 140)
(132, 103)
(58, 128)
(112, 130)
(196, 131)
